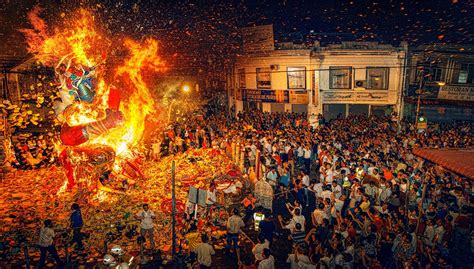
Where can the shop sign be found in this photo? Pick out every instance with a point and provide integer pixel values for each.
(371, 97)
(266, 96)
(421, 123)
(299, 97)
(337, 97)
(460, 93)
(343, 97)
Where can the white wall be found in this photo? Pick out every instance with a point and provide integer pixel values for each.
(323, 60)
(278, 77)
(359, 61)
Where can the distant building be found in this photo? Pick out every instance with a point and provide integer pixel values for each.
(358, 78)
(339, 79)
(442, 78)
(272, 81)
(25, 78)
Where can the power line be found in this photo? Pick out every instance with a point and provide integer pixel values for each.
(348, 67)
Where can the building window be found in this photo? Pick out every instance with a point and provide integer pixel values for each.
(466, 74)
(340, 77)
(263, 78)
(435, 74)
(296, 77)
(377, 78)
(429, 72)
(241, 78)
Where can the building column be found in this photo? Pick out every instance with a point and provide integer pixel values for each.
(314, 104)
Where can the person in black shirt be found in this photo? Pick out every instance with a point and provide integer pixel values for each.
(267, 227)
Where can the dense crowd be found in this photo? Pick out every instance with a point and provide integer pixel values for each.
(349, 193)
(346, 194)
(33, 152)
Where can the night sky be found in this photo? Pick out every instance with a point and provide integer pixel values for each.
(202, 32)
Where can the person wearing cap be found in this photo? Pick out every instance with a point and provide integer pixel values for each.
(46, 244)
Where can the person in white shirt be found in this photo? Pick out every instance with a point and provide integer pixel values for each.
(156, 147)
(307, 158)
(253, 147)
(268, 147)
(439, 230)
(300, 154)
(268, 261)
(329, 174)
(292, 207)
(287, 148)
(297, 218)
(234, 226)
(146, 216)
(429, 233)
(306, 183)
(319, 214)
(296, 257)
(318, 189)
(204, 253)
(262, 244)
(326, 193)
(339, 202)
(46, 244)
(336, 189)
(211, 195)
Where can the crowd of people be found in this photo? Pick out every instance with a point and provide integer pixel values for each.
(33, 152)
(349, 193)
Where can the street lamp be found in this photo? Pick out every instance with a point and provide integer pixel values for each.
(186, 88)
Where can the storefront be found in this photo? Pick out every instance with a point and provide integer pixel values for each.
(438, 110)
(274, 101)
(357, 78)
(345, 103)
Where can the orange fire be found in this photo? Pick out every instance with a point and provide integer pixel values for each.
(81, 41)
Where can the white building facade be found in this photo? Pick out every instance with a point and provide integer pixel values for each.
(337, 80)
(273, 81)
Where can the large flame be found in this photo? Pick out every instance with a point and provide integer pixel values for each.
(79, 39)
(76, 37)
(140, 104)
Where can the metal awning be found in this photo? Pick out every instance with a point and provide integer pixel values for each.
(460, 160)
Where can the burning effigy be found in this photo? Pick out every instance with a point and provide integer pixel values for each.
(102, 107)
(103, 104)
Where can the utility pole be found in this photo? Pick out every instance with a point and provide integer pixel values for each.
(173, 211)
(418, 92)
